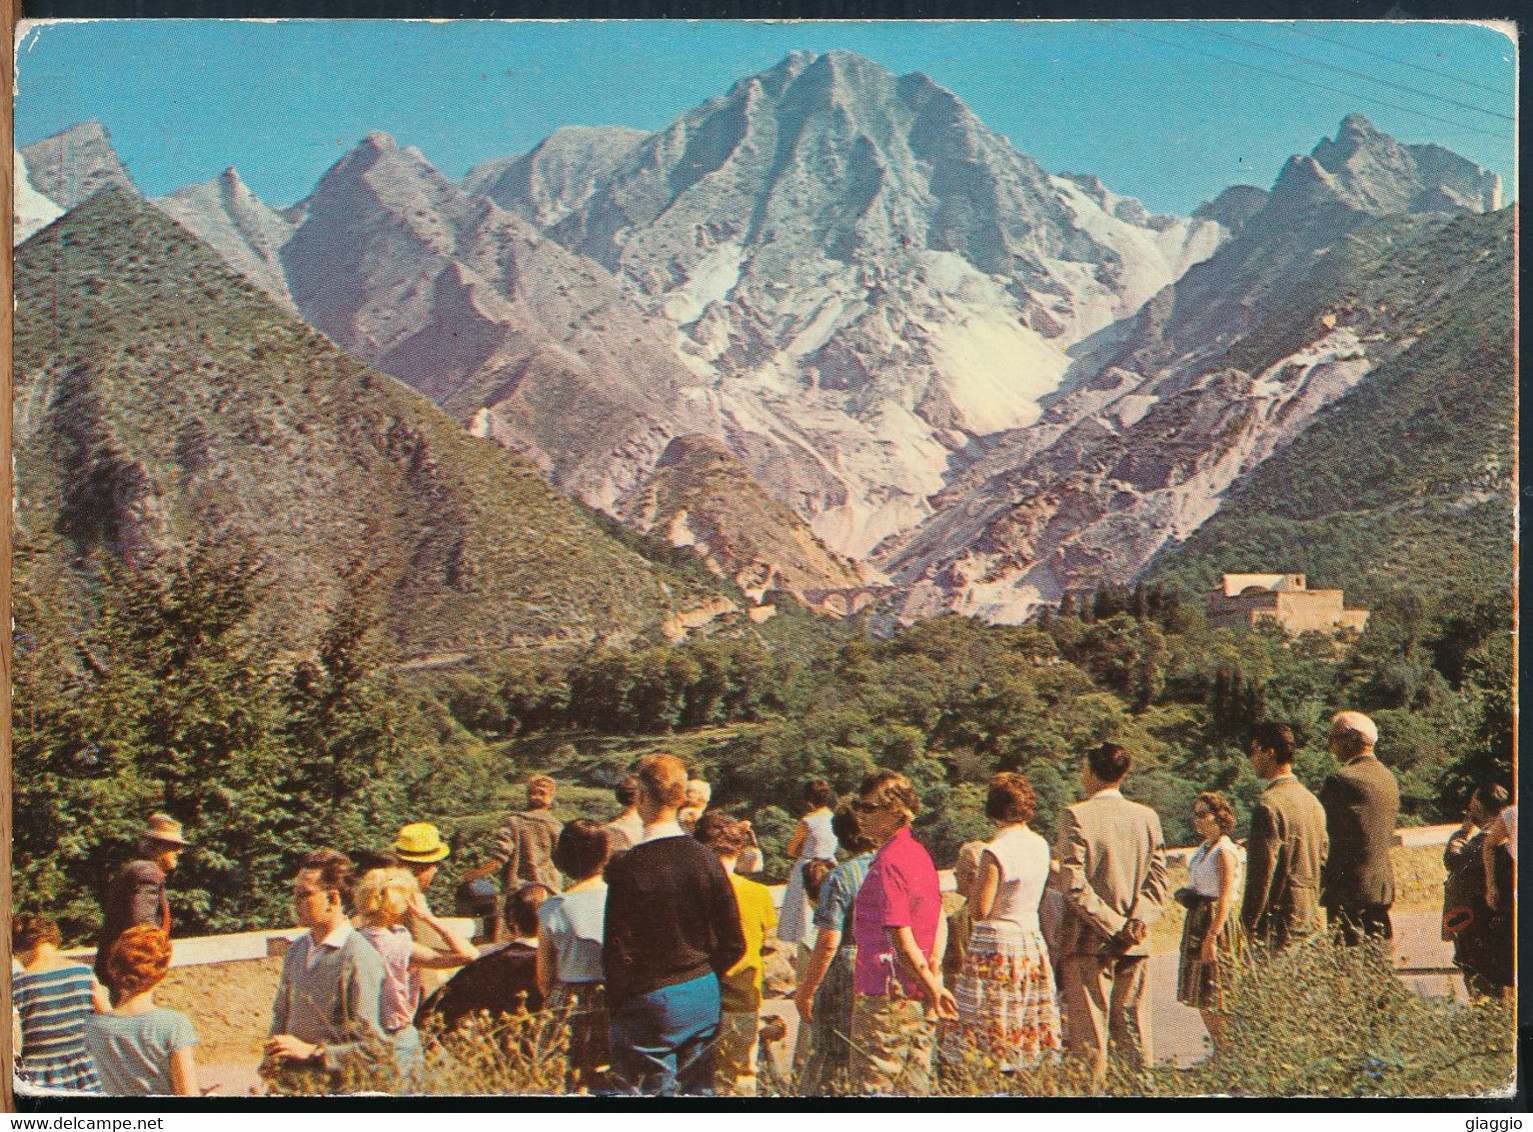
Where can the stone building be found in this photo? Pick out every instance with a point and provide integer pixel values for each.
(1245, 599)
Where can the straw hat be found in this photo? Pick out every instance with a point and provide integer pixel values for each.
(163, 827)
(420, 844)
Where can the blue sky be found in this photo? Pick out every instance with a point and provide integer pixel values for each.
(1169, 112)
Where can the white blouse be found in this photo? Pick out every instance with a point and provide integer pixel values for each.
(1024, 860)
(1204, 866)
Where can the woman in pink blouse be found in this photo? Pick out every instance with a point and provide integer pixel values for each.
(894, 923)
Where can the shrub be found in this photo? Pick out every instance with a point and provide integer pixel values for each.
(1324, 1020)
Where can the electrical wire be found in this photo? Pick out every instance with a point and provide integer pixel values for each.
(1307, 61)
(1307, 82)
(1397, 62)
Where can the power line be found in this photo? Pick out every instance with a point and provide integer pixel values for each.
(1308, 82)
(1307, 61)
(1397, 62)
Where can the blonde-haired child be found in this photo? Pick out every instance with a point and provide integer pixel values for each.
(388, 901)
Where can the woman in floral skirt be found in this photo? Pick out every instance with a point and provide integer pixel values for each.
(1007, 1015)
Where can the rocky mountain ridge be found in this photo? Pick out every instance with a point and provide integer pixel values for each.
(857, 345)
(855, 252)
(75, 164)
(701, 495)
(987, 382)
(1200, 392)
(171, 403)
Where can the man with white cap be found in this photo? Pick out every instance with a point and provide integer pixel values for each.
(1361, 801)
(137, 893)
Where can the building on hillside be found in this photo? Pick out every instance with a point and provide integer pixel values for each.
(1245, 599)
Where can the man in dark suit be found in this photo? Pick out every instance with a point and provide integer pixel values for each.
(1362, 801)
(504, 980)
(1112, 861)
(1286, 849)
(137, 893)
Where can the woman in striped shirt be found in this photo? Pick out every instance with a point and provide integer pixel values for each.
(824, 995)
(53, 996)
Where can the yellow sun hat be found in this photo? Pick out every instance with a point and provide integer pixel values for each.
(420, 844)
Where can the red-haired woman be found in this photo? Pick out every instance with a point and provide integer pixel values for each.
(141, 1049)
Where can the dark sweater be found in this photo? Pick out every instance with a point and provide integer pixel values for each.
(671, 918)
(503, 981)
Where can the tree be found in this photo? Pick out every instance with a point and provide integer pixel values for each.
(211, 730)
(170, 703)
(78, 797)
(344, 773)
(1489, 734)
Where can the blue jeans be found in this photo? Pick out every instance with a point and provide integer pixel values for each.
(409, 1056)
(664, 1042)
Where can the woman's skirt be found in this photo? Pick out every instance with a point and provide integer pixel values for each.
(1007, 1014)
(795, 921)
(825, 1070)
(589, 1057)
(1203, 984)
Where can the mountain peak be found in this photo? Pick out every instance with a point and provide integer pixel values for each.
(73, 165)
(557, 175)
(1370, 173)
(90, 130)
(226, 214)
(1232, 207)
(1358, 125)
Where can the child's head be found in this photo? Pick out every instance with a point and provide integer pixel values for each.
(384, 894)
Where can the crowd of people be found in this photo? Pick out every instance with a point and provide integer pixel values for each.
(647, 941)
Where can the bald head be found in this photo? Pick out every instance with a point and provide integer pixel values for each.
(1352, 734)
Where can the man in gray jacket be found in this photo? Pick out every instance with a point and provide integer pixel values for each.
(324, 1021)
(1287, 847)
(1113, 874)
(1362, 801)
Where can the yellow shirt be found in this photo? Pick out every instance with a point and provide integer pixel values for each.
(741, 986)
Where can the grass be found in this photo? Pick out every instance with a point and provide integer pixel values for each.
(1317, 1020)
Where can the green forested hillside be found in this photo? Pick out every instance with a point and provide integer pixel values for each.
(235, 547)
(1406, 482)
(162, 401)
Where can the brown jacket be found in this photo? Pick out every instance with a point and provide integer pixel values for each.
(1361, 803)
(524, 848)
(1284, 856)
(1112, 868)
